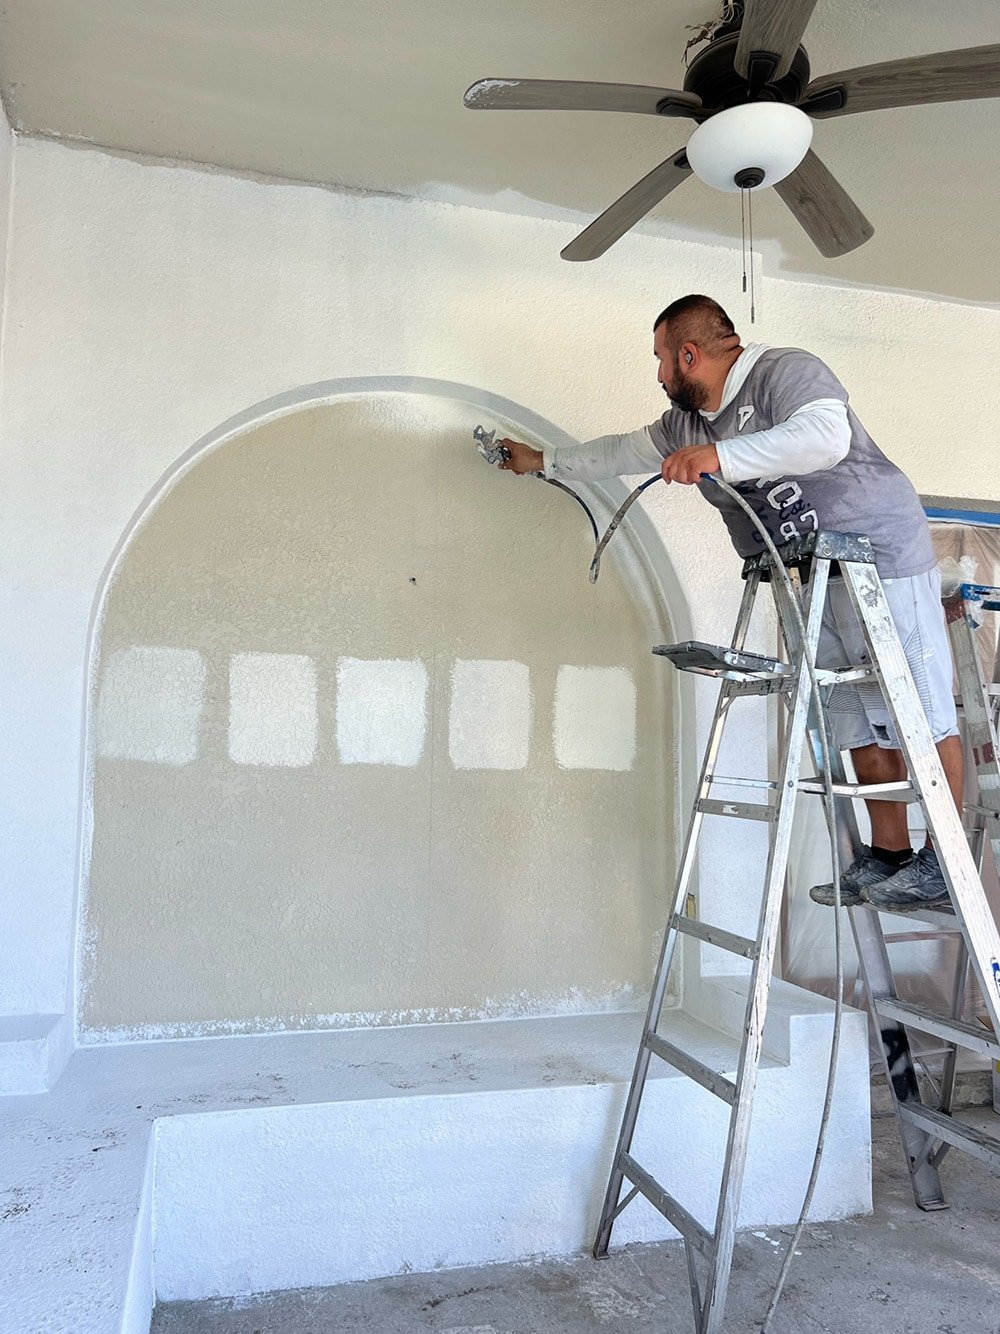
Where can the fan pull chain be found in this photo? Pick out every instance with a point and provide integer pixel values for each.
(753, 312)
(746, 228)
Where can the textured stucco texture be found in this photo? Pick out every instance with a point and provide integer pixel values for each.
(148, 304)
(281, 835)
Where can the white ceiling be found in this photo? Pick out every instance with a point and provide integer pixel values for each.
(368, 93)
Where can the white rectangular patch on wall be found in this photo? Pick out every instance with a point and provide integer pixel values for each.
(381, 710)
(594, 726)
(489, 720)
(149, 706)
(272, 709)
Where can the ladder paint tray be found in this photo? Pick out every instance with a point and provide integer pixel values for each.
(717, 660)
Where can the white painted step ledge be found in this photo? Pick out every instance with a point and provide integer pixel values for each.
(284, 1160)
(34, 1049)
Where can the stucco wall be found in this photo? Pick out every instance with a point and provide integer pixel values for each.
(369, 745)
(150, 303)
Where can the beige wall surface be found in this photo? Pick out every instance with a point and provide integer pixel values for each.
(369, 747)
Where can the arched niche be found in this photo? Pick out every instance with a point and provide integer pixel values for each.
(364, 746)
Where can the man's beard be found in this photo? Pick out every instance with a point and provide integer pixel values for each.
(688, 395)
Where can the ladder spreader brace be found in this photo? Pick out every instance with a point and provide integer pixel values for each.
(926, 1131)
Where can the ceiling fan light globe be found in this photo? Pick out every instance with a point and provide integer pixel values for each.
(767, 135)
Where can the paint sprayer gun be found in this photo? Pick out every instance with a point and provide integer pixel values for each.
(493, 454)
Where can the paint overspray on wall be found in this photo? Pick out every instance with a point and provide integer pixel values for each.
(594, 726)
(441, 833)
(150, 704)
(272, 709)
(490, 714)
(381, 711)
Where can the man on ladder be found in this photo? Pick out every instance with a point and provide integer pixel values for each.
(776, 423)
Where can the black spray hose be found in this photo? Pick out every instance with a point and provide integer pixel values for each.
(579, 500)
(496, 454)
(620, 512)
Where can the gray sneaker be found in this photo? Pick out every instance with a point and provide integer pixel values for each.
(919, 884)
(864, 870)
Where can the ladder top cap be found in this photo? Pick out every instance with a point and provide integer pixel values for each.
(853, 547)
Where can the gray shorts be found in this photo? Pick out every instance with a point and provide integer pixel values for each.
(858, 713)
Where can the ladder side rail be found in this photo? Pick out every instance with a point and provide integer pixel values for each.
(688, 862)
(760, 979)
(693, 1281)
(958, 995)
(980, 714)
(893, 1042)
(787, 642)
(920, 752)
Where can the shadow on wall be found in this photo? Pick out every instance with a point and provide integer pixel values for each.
(368, 746)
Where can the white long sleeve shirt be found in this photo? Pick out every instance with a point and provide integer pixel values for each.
(815, 436)
(809, 463)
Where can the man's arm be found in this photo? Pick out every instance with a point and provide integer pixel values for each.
(607, 456)
(813, 438)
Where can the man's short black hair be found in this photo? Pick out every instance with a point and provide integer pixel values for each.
(699, 319)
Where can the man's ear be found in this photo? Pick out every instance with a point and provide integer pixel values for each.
(688, 354)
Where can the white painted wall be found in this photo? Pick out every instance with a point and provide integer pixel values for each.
(6, 191)
(150, 303)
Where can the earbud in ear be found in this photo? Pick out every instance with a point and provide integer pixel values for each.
(688, 358)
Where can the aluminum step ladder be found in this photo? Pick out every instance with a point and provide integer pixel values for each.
(812, 559)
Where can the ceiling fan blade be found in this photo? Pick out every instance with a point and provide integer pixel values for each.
(824, 209)
(769, 37)
(946, 76)
(624, 213)
(570, 95)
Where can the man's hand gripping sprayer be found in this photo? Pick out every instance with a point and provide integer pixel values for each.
(496, 455)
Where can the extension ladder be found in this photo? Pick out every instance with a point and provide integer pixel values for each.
(979, 702)
(811, 560)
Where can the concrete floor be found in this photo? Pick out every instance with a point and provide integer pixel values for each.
(898, 1272)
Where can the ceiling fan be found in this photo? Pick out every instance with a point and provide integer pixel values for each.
(754, 69)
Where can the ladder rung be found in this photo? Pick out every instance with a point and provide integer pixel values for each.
(843, 675)
(724, 780)
(942, 919)
(736, 810)
(908, 937)
(710, 1079)
(901, 791)
(715, 935)
(771, 685)
(962, 1136)
(990, 812)
(686, 1224)
(972, 1036)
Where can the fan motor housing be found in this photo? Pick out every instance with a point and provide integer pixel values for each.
(712, 76)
